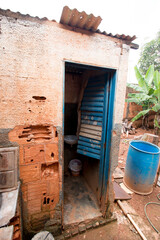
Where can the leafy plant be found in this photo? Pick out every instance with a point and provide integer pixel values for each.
(148, 94)
(150, 54)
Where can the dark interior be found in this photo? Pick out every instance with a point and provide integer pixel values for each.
(80, 192)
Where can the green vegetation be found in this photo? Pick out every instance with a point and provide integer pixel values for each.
(147, 95)
(150, 55)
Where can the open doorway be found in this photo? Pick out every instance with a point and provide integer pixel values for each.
(85, 116)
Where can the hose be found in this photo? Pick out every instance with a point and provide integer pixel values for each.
(145, 207)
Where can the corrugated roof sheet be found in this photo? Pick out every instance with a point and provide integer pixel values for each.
(74, 18)
(77, 19)
(66, 19)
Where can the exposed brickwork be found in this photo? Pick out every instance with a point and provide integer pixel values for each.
(73, 230)
(32, 76)
(39, 173)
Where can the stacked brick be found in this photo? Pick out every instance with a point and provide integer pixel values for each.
(39, 173)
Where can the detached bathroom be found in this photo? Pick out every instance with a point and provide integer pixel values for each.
(85, 114)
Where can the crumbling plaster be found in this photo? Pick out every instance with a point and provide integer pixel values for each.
(32, 64)
(33, 54)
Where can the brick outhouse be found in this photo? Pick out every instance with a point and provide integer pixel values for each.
(61, 79)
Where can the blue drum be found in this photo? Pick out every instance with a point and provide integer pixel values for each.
(141, 166)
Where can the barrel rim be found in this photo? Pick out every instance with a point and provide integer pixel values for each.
(145, 143)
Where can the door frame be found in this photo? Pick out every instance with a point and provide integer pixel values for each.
(105, 162)
(109, 115)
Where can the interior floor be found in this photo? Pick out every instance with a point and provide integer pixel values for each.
(79, 201)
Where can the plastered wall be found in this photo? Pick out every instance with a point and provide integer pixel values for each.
(32, 59)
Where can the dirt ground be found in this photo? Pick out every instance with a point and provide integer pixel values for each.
(122, 229)
(138, 201)
(118, 230)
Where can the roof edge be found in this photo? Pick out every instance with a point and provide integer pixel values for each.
(18, 15)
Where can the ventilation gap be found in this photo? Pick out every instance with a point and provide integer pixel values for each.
(56, 134)
(48, 199)
(52, 154)
(39, 98)
(44, 201)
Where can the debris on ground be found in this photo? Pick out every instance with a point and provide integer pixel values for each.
(127, 128)
(137, 202)
(120, 194)
(118, 173)
(127, 190)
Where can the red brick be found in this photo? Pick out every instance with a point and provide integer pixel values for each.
(21, 155)
(30, 173)
(51, 152)
(49, 170)
(34, 153)
(34, 206)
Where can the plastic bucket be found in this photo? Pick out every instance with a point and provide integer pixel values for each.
(75, 165)
(141, 166)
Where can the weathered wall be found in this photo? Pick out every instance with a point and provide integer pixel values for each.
(73, 83)
(32, 53)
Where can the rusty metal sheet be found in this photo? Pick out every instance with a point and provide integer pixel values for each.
(6, 233)
(120, 194)
(8, 204)
(74, 18)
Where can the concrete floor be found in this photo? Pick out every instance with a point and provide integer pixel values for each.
(121, 229)
(79, 202)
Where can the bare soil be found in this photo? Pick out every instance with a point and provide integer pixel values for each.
(138, 201)
(122, 229)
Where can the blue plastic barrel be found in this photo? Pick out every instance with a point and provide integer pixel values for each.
(141, 166)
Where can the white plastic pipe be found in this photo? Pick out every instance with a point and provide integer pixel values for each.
(131, 220)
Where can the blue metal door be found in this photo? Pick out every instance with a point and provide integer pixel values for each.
(91, 135)
(96, 124)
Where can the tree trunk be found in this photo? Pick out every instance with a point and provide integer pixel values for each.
(150, 138)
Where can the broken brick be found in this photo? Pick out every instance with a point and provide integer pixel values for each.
(82, 228)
